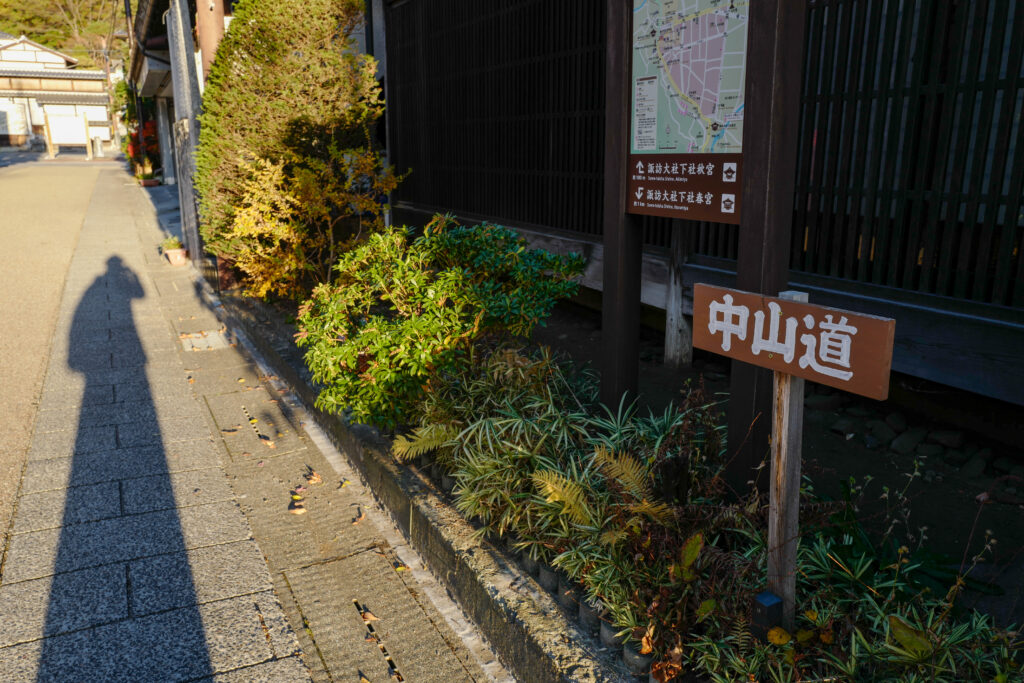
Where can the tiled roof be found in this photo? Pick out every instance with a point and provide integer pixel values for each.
(7, 36)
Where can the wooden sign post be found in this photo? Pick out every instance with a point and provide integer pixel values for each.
(798, 341)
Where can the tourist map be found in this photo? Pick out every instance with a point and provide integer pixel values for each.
(689, 65)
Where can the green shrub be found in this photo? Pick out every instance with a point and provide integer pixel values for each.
(401, 312)
(288, 91)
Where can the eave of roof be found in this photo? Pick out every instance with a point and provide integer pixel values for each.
(62, 74)
(47, 97)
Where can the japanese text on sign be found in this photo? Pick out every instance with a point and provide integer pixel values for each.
(839, 348)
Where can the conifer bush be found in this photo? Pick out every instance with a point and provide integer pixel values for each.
(287, 121)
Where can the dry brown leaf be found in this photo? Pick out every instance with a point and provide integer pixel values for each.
(368, 616)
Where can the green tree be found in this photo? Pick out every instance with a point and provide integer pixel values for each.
(83, 29)
(289, 89)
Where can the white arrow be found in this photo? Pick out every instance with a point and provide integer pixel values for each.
(639, 167)
(639, 192)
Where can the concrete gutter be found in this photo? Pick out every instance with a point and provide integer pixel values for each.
(532, 635)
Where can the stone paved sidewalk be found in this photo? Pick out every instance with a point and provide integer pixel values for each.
(152, 539)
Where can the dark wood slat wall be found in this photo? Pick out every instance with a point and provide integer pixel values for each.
(910, 157)
(910, 162)
(498, 109)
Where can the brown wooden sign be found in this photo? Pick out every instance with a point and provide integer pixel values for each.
(696, 187)
(841, 349)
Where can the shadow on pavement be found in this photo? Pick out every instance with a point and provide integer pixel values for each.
(121, 541)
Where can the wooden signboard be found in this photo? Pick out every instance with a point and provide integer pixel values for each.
(798, 341)
(841, 349)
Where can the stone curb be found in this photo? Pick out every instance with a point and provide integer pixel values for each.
(530, 633)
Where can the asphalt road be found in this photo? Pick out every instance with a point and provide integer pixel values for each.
(42, 205)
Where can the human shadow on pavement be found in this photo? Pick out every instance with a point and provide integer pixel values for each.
(122, 593)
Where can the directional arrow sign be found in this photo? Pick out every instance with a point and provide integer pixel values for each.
(639, 192)
(639, 167)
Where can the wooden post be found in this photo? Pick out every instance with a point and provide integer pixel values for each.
(620, 307)
(88, 140)
(678, 335)
(49, 135)
(775, 45)
(784, 501)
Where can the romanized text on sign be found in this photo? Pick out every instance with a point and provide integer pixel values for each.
(849, 351)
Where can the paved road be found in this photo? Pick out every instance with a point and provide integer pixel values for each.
(152, 538)
(41, 211)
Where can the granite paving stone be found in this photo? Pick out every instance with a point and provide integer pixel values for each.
(202, 575)
(72, 441)
(31, 609)
(50, 509)
(180, 489)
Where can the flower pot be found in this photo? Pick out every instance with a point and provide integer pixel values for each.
(637, 663)
(148, 182)
(589, 617)
(530, 565)
(447, 483)
(177, 257)
(608, 637)
(436, 471)
(548, 578)
(568, 595)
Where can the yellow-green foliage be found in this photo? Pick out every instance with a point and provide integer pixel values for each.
(289, 87)
(266, 236)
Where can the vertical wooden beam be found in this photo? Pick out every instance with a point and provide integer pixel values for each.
(88, 140)
(678, 335)
(784, 497)
(775, 45)
(620, 307)
(49, 135)
(209, 30)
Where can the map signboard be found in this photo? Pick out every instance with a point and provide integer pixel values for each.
(686, 134)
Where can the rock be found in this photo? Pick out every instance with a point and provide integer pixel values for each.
(975, 467)
(908, 440)
(826, 402)
(949, 439)
(881, 430)
(956, 458)
(929, 450)
(985, 454)
(844, 427)
(896, 421)
(871, 441)
(858, 410)
(1003, 465)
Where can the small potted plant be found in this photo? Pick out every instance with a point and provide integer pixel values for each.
(176, 254)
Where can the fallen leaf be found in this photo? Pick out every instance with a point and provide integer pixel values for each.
(344, 483)
(300, 488)
(247, 454)
(778, 636)
(296, 496)
(370, 638)
(241, 380)
(253, 420)
(232, 430)
(368, 616)
(259, 464)
(363, 679)
(297, 510)
(312, 476)
(360, 517)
